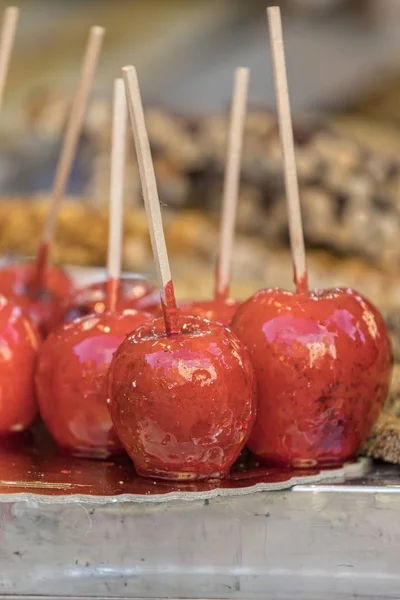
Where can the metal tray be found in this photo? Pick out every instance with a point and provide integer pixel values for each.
(330, 541)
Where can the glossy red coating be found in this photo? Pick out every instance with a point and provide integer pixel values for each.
(71, 381)
(183, 405)
(323, 364)
(301, 283)
(15, 283)
(170, 309)
(113, 287)
(19, 344)
(41, 263)
(219, 309)
(134, 293)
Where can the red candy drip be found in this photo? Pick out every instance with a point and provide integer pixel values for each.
(170, 309)
(301, 283)
(112, 294)
(37, 284)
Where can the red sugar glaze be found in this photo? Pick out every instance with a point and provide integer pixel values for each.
(219, 309)
(112, 294)
(183, 405)
(15, 282)
(170, 309)
(19, 343)
(323, 364)
(134, 293)
(71, 381)
(42, 260)
(301, 283)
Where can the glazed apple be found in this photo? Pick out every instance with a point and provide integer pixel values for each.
(323, 365)
(134, 293)
(71, 382)
(39, 304)
(183, 404)
(218, 309)
(19, 344)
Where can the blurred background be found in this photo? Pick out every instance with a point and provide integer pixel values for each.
(343, 60)
(186, 50)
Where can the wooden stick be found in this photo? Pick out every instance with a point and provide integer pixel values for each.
(74, 128)
(231, 182)
(150, 196)
(8, 28)
(68, 151)
(116, 211)
(287, 142)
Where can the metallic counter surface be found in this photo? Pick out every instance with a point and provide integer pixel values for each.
(325, 541)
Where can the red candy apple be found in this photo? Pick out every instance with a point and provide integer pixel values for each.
(133, 293)
(19, 343)
(183, 405)
(17, 282)
(220, 309)
(71, 381)
(182, 390)
(323, 364)
(322, 358)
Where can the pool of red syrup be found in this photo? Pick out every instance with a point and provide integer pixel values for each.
(30, 463)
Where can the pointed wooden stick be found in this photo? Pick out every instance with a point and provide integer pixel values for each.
(231, 182)
(116, 211)
(150, 196)
(8, 28)
(68, 151)
(289, 159)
